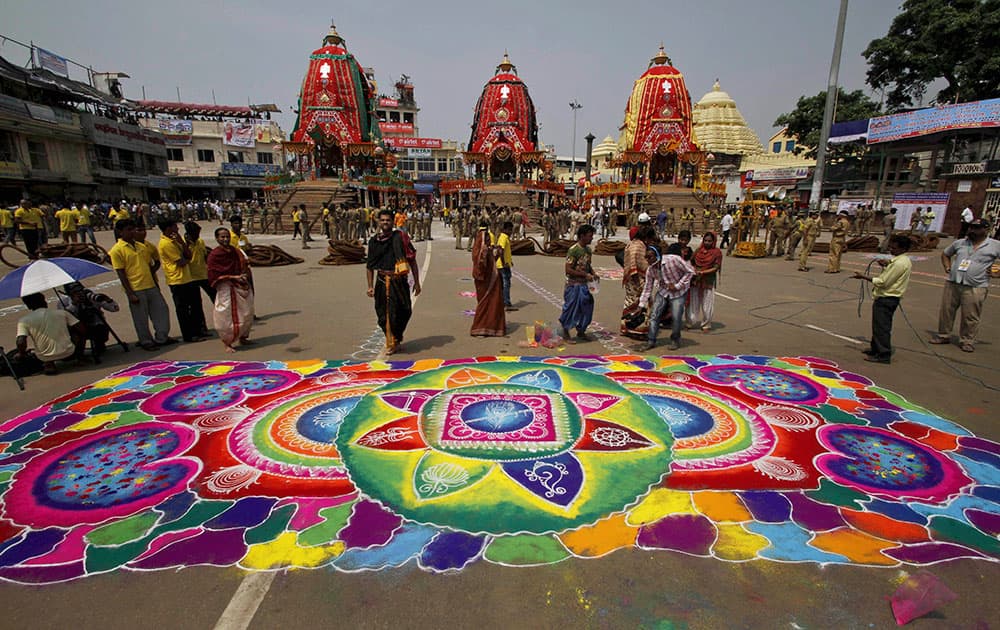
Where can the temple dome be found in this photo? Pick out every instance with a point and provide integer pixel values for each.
(718, 126)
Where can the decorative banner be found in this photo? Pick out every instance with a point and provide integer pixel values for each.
(51, 62)
(922, 122)
(414, 143)
(606, 190)
(516, 461)
(450, 186)
(907, 203)
(176, 131)
(237, 134)
(385, 101)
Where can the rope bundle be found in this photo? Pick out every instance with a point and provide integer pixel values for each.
(270, 256)
(344, 253)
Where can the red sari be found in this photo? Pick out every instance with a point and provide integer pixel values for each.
(233, 312)
(490, 319)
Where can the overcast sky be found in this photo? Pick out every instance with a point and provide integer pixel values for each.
(766, 53)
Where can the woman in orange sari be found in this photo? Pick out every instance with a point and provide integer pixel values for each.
(228, 273)
(490, 319)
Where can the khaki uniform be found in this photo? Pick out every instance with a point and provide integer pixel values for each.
(778, 234)
(810, 231)
(794, 236)
(838, 243)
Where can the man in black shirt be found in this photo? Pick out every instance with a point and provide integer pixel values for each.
(391, 259)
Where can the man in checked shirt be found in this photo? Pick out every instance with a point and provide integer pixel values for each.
(668, 279)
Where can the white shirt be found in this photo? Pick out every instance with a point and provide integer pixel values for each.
(727, 222)
(967, 215)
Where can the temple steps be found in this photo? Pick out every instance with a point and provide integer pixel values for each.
(314, 194)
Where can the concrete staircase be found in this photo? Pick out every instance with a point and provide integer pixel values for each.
(667, 197)
(314, 194)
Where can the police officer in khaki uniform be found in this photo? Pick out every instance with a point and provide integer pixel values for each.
(778, 228)
(838, 242)
(796, 226)
(810, 231)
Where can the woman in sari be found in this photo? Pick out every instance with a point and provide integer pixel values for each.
(228, 273)
(490, 320)
(707, 263)
(633, 322)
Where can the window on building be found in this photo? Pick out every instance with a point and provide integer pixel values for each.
(381, 115)
(408, 117)
(8, 149)
(206, 155)
(776, 147)
(234, 157)
(789, 145)
(405, 164)
(265, 157)
(127, 160)
(39, 155)
(426, 165)
(175, 155)
(393, 116)
(104, 158)
(442, 165)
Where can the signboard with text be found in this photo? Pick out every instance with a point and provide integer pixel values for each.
(249, 170)
(907, 203)
(236, 134)
(773, 176)
(418, 153)
(385, 101)
(396, 127)
(922, 122)
(175, 131)
(414, 143)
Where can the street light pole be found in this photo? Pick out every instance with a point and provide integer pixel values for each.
(574, 105)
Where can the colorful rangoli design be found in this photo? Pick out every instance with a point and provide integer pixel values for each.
(510, 460)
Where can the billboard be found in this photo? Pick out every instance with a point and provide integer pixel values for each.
(772, 176)
(907, 203)
(176, 132)
(385, 101)
(922, 122)
(51, 62)
(237, 134)
(396, 127)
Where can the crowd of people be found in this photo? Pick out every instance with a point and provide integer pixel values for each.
(666, 282)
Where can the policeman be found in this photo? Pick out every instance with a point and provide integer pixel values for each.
(838, 242)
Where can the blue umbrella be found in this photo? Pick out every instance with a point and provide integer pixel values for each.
(49, 273)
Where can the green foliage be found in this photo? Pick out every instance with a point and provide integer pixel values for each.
(956, 41)
(806, 120)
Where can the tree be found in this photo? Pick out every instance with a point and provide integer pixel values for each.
(955, 41)
(805, 122)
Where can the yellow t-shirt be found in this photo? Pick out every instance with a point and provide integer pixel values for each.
(239, 242)
(28, 218)
(135, 260)
(295, 216)
(171, 253)
(67, 220)
(83, 216)
(503, 242)
(198, 266)
(6, 218)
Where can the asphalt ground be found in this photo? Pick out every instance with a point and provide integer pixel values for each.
(764, 307)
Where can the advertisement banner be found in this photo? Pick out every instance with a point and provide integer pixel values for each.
(237, 134)
(906, 205)
(851, 205)
(396, 127)
(385, 101)
(249, 170)
(51, 62)
(772, 176)
(414, 143)
(176, 132)
(418, 153)
(923, 122)
(264, 134)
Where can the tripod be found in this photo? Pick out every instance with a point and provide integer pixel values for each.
(10, 368)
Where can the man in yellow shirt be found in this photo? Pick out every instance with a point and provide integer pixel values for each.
(133, 263)
(296, 223)
(175, 256)
(29, 222)
(7, 225)
(67, 224)
(505, 263)
(85, 224)
(887, 289)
